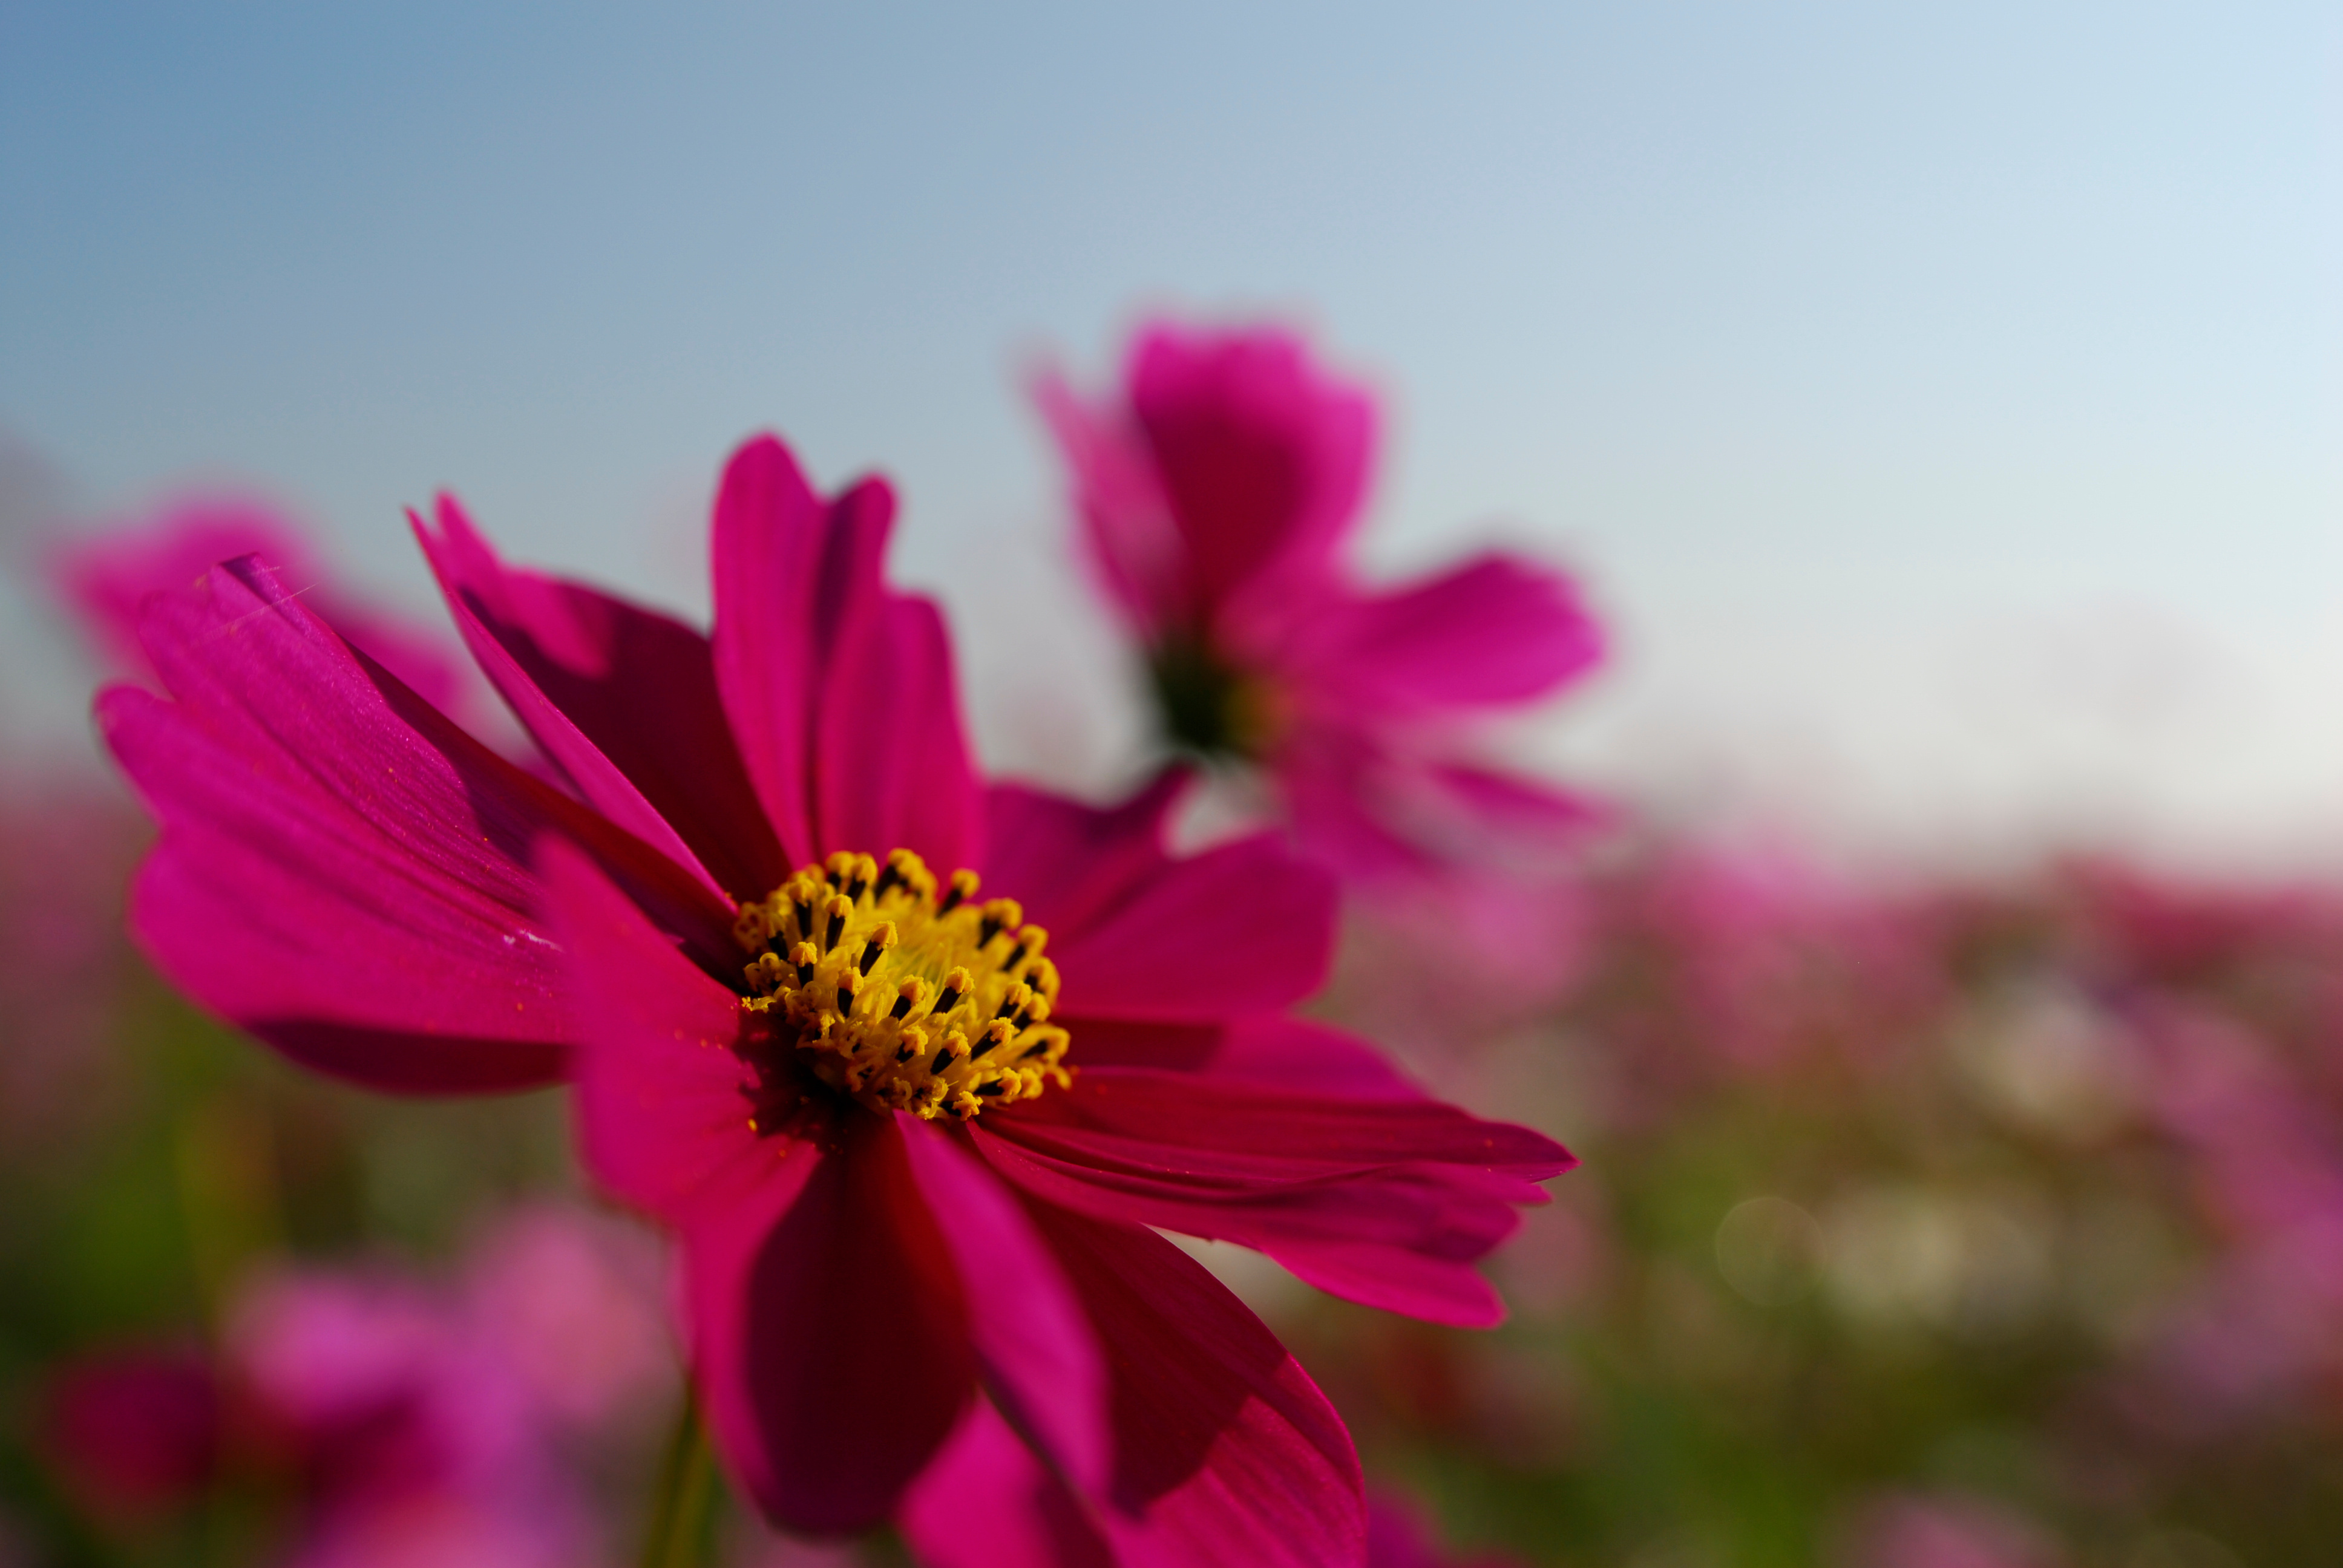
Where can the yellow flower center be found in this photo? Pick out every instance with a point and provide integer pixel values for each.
(906, 995)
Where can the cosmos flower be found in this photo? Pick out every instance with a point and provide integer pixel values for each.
(910, 1067)
(1217, 497)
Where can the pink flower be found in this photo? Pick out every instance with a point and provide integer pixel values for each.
(1216, 500)
(912, 1157)
(414, 1443)
(406, 1429)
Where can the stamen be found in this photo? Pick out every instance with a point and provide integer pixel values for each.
(852, 925)
(955, 985)
(839, 912)
(963, 888)
(1000, 914)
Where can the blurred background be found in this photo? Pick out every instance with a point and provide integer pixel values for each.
(1940, 407)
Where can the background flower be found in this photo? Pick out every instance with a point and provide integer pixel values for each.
(1218, 493)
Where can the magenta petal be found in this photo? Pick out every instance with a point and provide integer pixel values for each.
(1125, 1042)
(1293, 1054)
(1262, 459)
(1068, 863)
(1134, 542)
(1271, 1051)
(1385, 1201)
(107, 580)
(769, 544)
(850, 1361)
(741, 1206)
(1284, 1133)
(840, 691)
(1035, 1350)
(1493, 631)
(1225, 1451)
(662, 1105)
(1336, 782)
(341, 870)
(622, 698)
(280, 909)
(893, 767)
(1510, 806)
(1244, 928)
(986, 1502)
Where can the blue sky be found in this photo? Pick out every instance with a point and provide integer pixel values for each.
(1943, 402)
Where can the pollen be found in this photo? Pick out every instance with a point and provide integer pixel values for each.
(905, 993)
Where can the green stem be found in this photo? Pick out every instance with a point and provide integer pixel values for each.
(683, 1513)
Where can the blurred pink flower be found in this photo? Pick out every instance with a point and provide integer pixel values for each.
(573, 1306)
(2264, 1325)
(412, 1426)
(1779, 954)
(1217, 495)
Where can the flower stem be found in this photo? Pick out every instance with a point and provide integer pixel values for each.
(683, 1512)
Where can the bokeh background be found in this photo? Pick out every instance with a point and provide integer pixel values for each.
(1940, 404)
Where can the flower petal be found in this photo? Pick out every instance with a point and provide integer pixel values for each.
(1384, 1200)
(841, 692)
(1069, 863)
(768, 553)
(1225, 1451)
(341, 870)
(892, 766)
(1275, 1051)
(1242, 928)
(1263, 458)
(1379, 809)
(1335, 779)
(835, 1351)
(1038, 1360)
(623, 698)
(107, 578)
(1493, 631)
(1133, 544)
(663, 1106)
(986, 1502)
(1293, 1054)
(1126, 1042)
